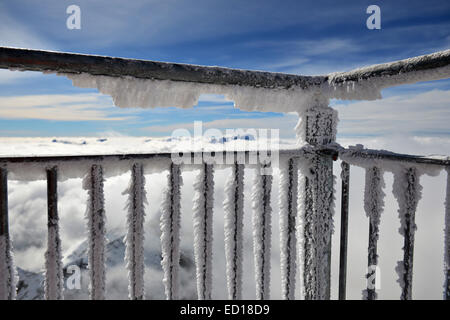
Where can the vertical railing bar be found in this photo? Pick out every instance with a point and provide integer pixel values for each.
(202, 215)
(288, 219)
(7, 272)
(170, 233)
(233, 207)
(53, 264)
(135, 235)
(409, 230)
(345, 176)
(96, 227)
(447, 239)
(262, 229)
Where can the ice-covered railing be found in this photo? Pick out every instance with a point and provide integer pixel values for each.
(306, 175)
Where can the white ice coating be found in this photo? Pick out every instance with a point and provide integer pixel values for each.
(96, 220)
(288, 218)
(54, 278)
(203, 237)
(373, 206)
(262, 215)
(8, 274)
(129, 92)
(447, 238)
(233, 225)
(134, 240)
(170, 232)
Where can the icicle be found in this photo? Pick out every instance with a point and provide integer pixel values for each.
(95, 215)
(170, 232)
(262, 215)
(288, 214)
(373, 206)
(134, 253)
(447, 239)
(54, 278)
(203, 238)
(8, 276)
(233, 223)
(407, 191)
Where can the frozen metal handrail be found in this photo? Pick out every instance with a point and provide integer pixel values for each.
(62, 62)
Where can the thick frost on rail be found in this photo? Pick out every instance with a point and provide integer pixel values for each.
(288, 218)
(96, 220)
(134, 240)
(54, 278)
(203, 238)
(262, 215)
(8, 276)
(170, 232)
(366, 83)
(233, 225)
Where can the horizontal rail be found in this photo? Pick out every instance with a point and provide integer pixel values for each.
(384, 155)
(62, 62)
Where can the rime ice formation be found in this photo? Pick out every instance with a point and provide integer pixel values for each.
(233, 225)
(170, 232)
(134, 253)
(203, 220)
(262, 214)
(96, 220)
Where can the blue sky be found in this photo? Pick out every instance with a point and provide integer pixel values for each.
(314, 37)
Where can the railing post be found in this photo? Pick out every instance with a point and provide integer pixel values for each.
(7, 272)
(345, 177)
(320, 122)
(53, 266)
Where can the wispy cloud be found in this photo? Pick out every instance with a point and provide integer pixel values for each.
(426, 113)
(75, 107)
